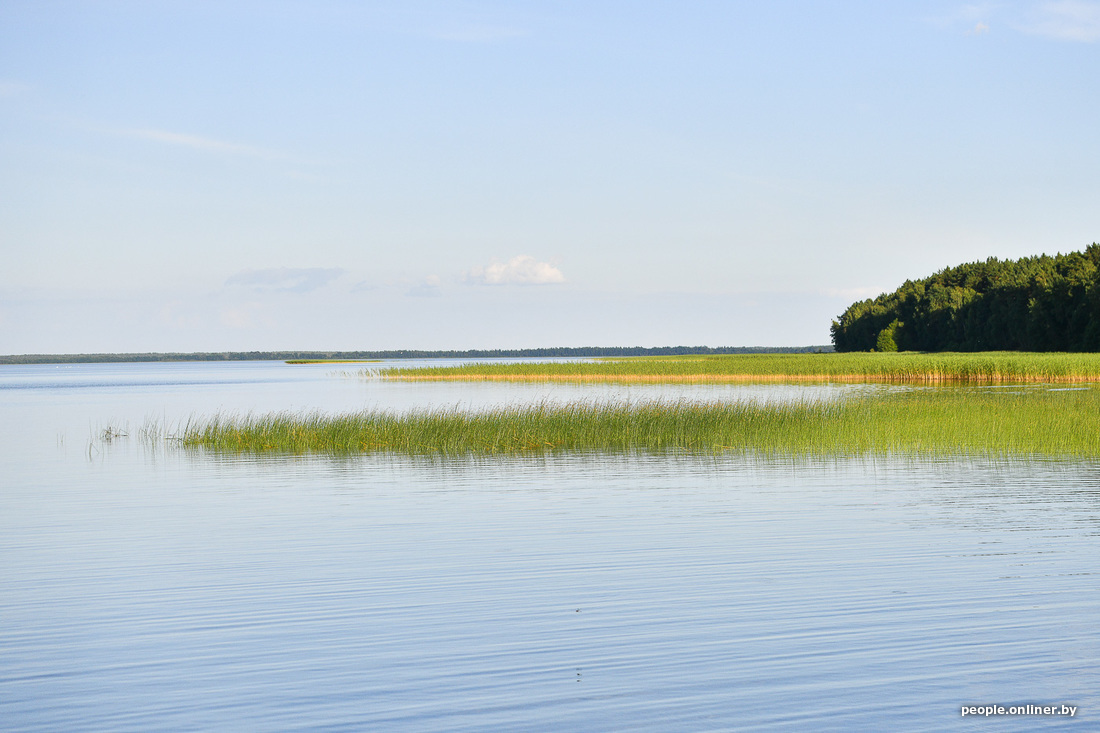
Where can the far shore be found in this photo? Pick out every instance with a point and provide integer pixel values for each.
(566, 352)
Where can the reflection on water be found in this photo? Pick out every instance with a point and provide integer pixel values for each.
(149, 589)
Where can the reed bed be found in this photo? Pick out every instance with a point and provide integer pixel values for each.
(964, 368)
(921, 422)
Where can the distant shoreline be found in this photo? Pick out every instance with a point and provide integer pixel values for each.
(579, 351)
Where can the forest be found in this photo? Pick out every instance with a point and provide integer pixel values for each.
(1040, 303)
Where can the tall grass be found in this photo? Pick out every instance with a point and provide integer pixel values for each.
(973, 421)
(977, 368)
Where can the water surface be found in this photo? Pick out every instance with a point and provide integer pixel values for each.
(149, 588)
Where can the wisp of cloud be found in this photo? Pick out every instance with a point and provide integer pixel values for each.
(520, 270)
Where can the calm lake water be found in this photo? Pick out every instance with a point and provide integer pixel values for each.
(150, 588)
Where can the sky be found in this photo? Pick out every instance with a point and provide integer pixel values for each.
(326, 175)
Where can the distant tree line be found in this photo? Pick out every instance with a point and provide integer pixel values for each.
(579, 351)
(1038, 303)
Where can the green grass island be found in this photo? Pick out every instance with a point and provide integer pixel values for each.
(959, 404)
(892, 367)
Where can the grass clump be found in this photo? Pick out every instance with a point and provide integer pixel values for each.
(933, 422)
(967, 368)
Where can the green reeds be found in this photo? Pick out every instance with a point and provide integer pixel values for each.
(923, 422)
(975, 368)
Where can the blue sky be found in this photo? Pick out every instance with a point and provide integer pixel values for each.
(182, 176)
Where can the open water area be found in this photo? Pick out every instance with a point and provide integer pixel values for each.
(148, 587)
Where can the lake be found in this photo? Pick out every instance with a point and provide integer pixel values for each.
(146, 587)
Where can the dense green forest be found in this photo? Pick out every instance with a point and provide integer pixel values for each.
(565, 351)
(1038, 303)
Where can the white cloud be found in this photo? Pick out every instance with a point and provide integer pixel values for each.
(427, 289)
(1066, 20)
(521, 270)
(201, 143)
(286, 279)
(978, 29)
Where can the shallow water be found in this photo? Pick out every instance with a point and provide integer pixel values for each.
(143, 587)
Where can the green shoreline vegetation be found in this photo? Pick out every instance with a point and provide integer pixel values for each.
(967, 368)
(540, 353)
(1039, 303)
(1026, 421)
